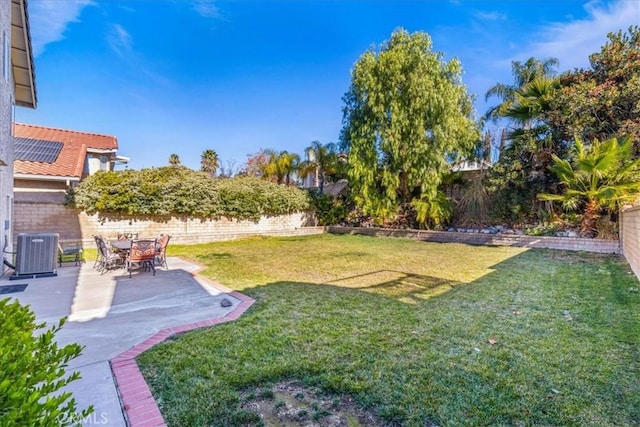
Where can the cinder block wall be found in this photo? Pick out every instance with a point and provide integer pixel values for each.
(630, 237)
(71, 224)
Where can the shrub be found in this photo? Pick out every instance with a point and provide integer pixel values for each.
(329, 211)
(32, 367)
(433, 212)
(474, 204)
(182, 191)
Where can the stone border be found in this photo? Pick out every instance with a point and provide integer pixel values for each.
(138, 404)
(543, 242)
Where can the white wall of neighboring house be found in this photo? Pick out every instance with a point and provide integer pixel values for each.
(311, 180)
(98, 162)
(93, 163)
(6, 121)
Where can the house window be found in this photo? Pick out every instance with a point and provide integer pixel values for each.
(5, 56)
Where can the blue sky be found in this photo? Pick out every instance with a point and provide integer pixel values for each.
(178, 76)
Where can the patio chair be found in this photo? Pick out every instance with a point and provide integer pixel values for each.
(70, 251)
(142, 254)
(96, 238)
(106, 258)
(161, 250)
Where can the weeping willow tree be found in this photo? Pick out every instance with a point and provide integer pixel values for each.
(405, 112)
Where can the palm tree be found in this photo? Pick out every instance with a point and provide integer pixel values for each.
(281, 165)
(532, 100)
(522, 75)
(322, 160)
(602, 176)
(209, 162)
(530, 104)
(174, 160)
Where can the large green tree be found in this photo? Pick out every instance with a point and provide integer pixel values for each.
(604, 100)
(406, 111)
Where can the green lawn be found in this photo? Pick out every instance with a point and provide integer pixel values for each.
(417, 333)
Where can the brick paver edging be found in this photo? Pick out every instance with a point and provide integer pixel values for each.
(138, 404)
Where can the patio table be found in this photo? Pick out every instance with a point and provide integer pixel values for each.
(121, 245)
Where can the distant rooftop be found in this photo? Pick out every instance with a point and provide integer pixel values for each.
(37, 145)
(468, 166)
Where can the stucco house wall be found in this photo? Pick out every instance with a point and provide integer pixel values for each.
(17, 87)
(6, 120)
(27, 185)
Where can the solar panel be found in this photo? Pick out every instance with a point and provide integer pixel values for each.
(36, 150)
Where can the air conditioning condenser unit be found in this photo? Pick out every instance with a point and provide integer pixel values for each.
(36, 255)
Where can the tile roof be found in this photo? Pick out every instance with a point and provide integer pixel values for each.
(70, 161)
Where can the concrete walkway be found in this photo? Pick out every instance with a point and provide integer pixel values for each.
(116, 318)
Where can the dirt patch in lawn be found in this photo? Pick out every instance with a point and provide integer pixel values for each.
(289, 404)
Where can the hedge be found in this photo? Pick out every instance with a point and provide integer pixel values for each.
(182, 191)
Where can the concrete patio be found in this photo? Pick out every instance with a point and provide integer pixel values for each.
(116, 317)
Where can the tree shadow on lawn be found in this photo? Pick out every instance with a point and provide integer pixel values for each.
(405, 287)
(414, 288)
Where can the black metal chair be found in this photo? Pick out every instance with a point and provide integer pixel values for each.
(97, 239)
(106, 258)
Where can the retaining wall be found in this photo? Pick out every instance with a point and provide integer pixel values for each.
(72, 224)
(565, 243)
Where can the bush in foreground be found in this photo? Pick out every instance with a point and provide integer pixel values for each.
(32, 367)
